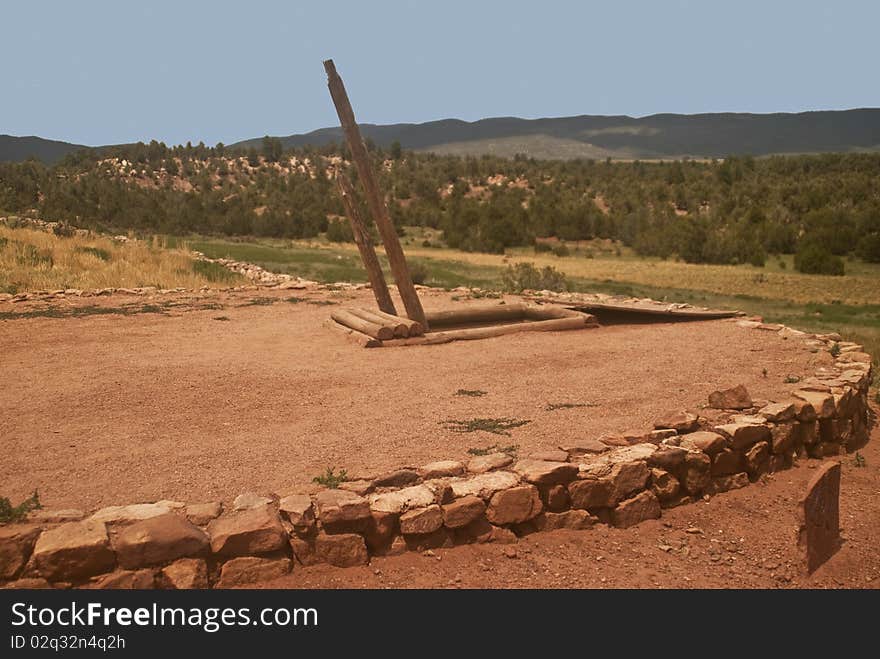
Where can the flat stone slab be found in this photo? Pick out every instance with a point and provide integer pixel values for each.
(819, 516)
(484, 485)
(131, 513)
(417, 496)
(250, 500)
(544, 472)
(480, 464)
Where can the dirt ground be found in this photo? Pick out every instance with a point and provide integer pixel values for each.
(741, 539)
(251, 391)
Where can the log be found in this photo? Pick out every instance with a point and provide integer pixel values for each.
(374, 198)
(471, 333)
(365, 245)
(478, 314)
(547, 311)
(358, 338)
(400, 329)
(415, 329)
(347, 318)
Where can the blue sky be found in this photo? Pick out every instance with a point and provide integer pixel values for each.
(107, 72)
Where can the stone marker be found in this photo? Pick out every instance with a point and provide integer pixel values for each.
(819, 516)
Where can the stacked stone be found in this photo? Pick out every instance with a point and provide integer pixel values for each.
(492, 498)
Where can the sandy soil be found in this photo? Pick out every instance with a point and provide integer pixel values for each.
(100, 410)
(740, 539)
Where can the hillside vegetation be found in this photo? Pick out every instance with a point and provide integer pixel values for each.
(737, 210)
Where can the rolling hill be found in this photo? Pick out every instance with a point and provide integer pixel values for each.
(18, 149)
(666, 136)
(655, 136)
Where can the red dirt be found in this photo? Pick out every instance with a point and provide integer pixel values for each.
(103, 410)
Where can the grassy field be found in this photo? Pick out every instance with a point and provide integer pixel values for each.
(33, 260)
(849, 304)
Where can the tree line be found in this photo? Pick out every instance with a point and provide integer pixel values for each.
(736, 210)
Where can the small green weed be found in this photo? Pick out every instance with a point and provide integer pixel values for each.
(499, 426)
(551, 407)
(10, 513)
(473, 393)
(791, 379)
(495, 448)
(260, 302)
(330, 479)
(859, 460)
(835, 349)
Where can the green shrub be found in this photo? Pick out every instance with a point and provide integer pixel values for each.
(214, 272)
(330, 479)
(419, 272)
(102, 254)
(814, 259)
(10, 513)
(525, 276)
(561, 250)
(339, 231)
(31, 255)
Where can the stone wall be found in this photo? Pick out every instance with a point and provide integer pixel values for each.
(619, 480)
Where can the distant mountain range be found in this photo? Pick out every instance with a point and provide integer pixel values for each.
(587, 136)
(17, 149)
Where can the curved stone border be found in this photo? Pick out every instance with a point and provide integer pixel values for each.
(620, 480)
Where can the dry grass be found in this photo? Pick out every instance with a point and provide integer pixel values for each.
(35, 260)
(862, 287)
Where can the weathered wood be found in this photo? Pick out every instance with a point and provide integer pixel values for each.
(350, 320)
(358, 338)
(375, 200)
(553, 325)
(547, 311)
(365, 245)
(415, 328)
(478, 314)
(400, 329)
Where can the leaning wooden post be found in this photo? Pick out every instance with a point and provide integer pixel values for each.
(375, 201)
(365, 245)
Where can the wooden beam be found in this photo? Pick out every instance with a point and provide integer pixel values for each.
(375, 200)
(400, 329)
(358, 338)
(471, 333)
(481, 313)
(414, 328)
(347, 318)
(365, 245)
